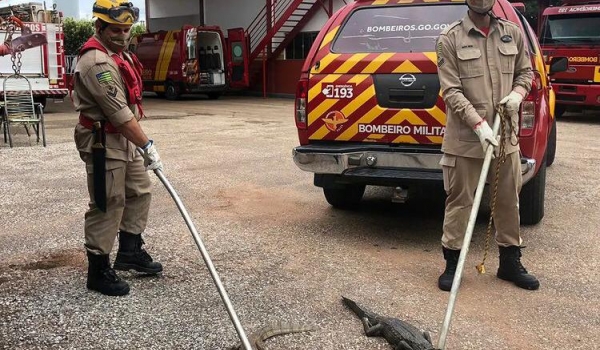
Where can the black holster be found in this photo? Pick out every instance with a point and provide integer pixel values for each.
(99, 165)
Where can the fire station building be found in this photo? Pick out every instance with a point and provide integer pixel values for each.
(280, 32)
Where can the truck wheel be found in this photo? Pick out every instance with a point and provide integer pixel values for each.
(346, 197)
(532, 196)
(551, 151)
(171, 91)
(213, 95)
(42, 100)
(559, 110)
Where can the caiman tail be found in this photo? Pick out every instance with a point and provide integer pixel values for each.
(279, 328)
(357, 309)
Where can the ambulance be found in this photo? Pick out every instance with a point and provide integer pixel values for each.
(44, 65)
(369, 109)
(193, 60)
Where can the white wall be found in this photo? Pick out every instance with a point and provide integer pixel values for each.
(226, 14)
(173, 8)
(232, 13)
(172, 14)
(320, 18)
(240, 13)
(172, 23)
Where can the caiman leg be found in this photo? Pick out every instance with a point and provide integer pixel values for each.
(371, 330)
(427, 337)
(403, 346)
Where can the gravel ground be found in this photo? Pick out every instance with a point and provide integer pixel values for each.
(282, 253)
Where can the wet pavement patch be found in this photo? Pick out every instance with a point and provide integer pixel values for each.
(73, 257)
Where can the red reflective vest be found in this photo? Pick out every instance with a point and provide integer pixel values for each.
(130, 72)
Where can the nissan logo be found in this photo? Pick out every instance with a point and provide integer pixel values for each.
(407, 80)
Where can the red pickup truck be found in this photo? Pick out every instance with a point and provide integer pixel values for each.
(369, 110)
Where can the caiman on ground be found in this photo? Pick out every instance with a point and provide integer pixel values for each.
(401, 335)
(258, 338)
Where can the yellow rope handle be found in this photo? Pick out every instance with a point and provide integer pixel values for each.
(500, 160)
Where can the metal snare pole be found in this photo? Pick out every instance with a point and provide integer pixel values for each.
(467, 240)
(206, 257)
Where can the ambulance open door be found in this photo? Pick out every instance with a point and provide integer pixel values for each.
(239, 54)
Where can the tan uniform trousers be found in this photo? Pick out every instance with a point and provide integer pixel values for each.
(461, 176)
(127, 202)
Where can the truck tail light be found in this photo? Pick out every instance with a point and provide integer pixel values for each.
(301, 102)
(527, 118)
(528, 107)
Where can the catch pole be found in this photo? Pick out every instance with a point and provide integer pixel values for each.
(467, 240)
(206, 257)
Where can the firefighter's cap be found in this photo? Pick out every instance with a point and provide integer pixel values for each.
(116, 12)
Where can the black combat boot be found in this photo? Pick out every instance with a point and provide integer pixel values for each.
(512, 270)
(102, 278)
(446, 278)
(131, 255)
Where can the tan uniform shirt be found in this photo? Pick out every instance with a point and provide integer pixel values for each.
(476, 71)
(99, 93)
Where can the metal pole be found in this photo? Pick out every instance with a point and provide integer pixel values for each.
(264, 67)
(467, 240)
(206, 257)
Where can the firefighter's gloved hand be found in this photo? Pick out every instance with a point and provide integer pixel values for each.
(151, 157)
(512, 102)
(485, 134)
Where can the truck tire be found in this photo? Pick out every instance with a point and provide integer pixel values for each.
(559, 110)
(345, 197)
(213, 95)
(532, 197)
(43, 100)
(551, 151)
(171, 91)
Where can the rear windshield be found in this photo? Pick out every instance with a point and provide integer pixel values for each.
(396, 29)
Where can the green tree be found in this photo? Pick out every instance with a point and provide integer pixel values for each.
(77, 32)
(138, 29)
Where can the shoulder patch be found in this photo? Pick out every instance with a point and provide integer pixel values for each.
(104, 77)
(111, 91)
(440, 58)
(450, 27)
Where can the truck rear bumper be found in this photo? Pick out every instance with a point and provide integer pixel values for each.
(380, 162)
(577, 94)
(50, 93)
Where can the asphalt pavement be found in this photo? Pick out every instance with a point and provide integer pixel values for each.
(282, 252)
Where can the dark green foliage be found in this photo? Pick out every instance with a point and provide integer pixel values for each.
(78, 31)
(138, 29)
